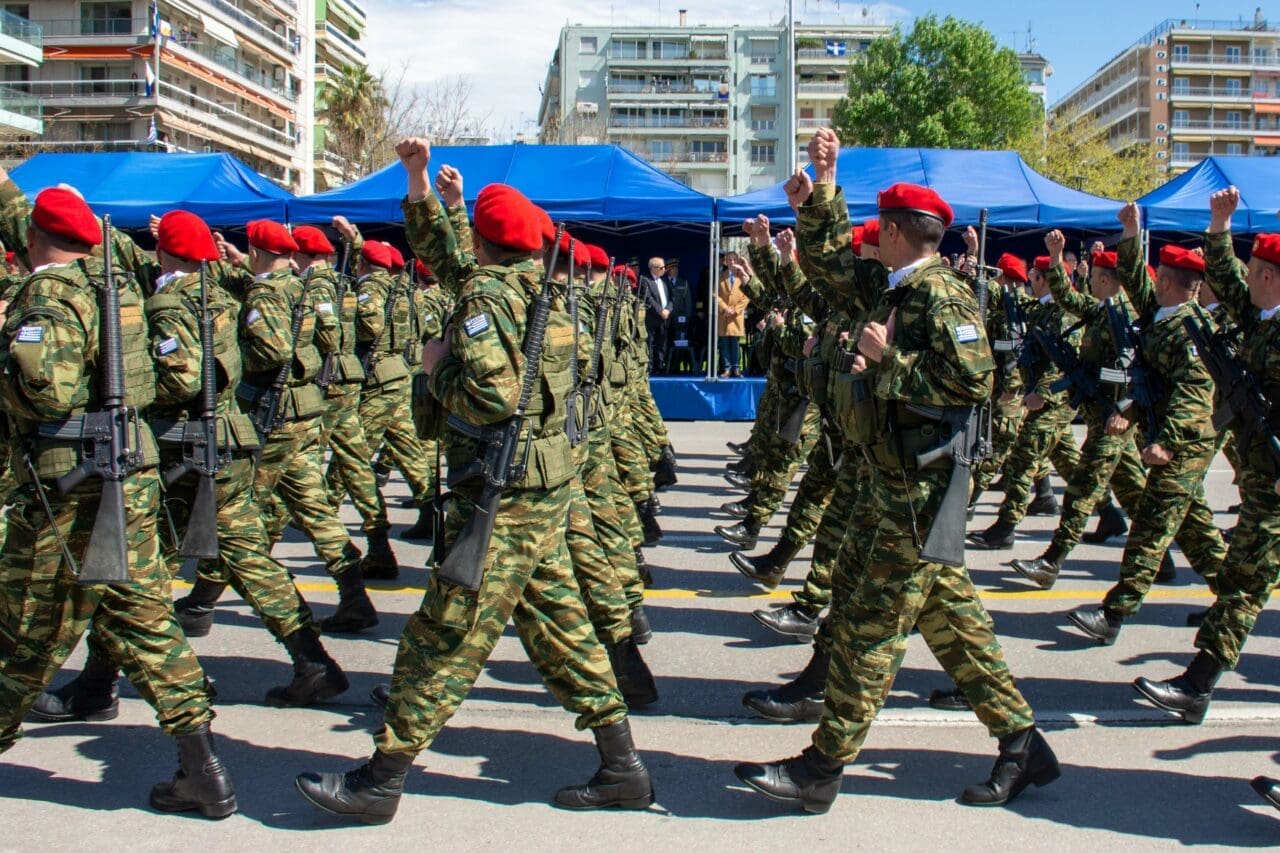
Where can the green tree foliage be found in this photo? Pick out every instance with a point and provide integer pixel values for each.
(1078, 154)
(944, 84)
(354, 111)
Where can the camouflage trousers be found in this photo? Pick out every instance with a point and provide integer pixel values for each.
(777, 460)
(1173, 503)
(44, 610)
(598, 582)
(843, 538)
(629, 453)
(607, 505)
(894, 592)
(342, 434)
(765, 427)
(403, 449)
(1249, 573)
(1045, 434)
(290, 467)
(1106, 462)
(527, 577)
(1005, 423)
(651, 430)
(813, 495)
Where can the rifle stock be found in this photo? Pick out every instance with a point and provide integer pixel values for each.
(790, 429)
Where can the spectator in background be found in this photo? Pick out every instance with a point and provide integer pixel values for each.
(655, 291)
(732, 306)
(680, 326)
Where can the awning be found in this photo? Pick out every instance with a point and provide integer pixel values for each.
(218, 30)
(1269, 141)
(1266, 108)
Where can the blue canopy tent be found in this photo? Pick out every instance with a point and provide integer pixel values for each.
(130, 186)
(1182, 204)
(604, 185)
(1016, 196)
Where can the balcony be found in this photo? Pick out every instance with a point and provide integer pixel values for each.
(82, 93)
(808, 55)
(124, 30)
(244, 23)
(1213, 93)
(342, 45)
(21, 42)
(1192, 125)
(693, 57)
(214, 116)
(228, 59)
(714, 158)
(20, 111)
(667, 123)
(812, 123)
(1241, 63)
(823, 89)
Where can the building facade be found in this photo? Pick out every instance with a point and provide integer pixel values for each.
(240, 76)
(1192, 88)
(340, 24)
(708, 105)
(21, 51)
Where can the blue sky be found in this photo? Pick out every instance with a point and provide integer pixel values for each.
(504, 45)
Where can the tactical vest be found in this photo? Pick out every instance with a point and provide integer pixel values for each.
(387, 364)
(302, 399)
(413, 342)
(77, 286)
(349, 369)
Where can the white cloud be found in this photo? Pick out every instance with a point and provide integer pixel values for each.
(504, 45)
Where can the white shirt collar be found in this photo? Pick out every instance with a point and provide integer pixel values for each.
(1211, 307)
(896, 277)
(1046, 299)
(1167, 311)
(166, 279)
(1268, 313)
(44, 267)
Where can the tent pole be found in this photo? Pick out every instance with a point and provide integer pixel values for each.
(713, 304)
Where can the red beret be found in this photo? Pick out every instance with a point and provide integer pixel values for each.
(1267, 248)
(311, 240)
(9, 257)
(1042, 263)
(581, 255)
(271, 237)
(185, 235)
(871, 233)
(565, 242)
(63, 213)
(504, 216)
(623, 269)
(1151, 272)
(1180, 258)
(376, 253)
(1105, 260)
(856, 235)
(422, 269)
(1013, 267)
(599, 258)
(548, 227)
(397, 259)
(916, 199)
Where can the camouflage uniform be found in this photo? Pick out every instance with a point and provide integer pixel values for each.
(527, 573)
(49, 374)
(1008, 340)
(1174, 494)
(892, 591)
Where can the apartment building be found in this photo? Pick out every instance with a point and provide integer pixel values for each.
(709, 105)
(340, 24)
(240, 76)
(20, 51)
(1194, 88)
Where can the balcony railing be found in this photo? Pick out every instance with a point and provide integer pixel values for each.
(1203, 124)
(693, 56)
(821, 53)
(15, 100)
(18, 27)
(663, 121)
(683, 156)
(1224, 59)
(95, 28)
(255, 26)
(1214, 92)
(822, 88)
(343, 39)
(64, 89)
(185, 102)
(225, 56)
(811, 123)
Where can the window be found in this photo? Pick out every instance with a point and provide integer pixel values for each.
(105, 131)
(1160, 81)
(585, 79)
(1034, 76)
(706, 151)
(1232, 88)
(670, 50)
(109, 78)
(106, 18)
(763, 153)
(1160, 54)
(1235, 149)
(22, 10)
(587, 44)
(1261, 56)
(1180, 118)
(1160, 69)
(1181, 53)
(1181, 151)
(1233, 119)
(762, 52)
(629, 50)
(1181, 86)
(764, 118)
(660, 149)
(1233, 55)
(764, 85)
(1161, 96)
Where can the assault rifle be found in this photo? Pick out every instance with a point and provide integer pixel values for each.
(1076, 375)
(330, 366)
(1241, 392)
(267, 415)
(112, 440)
(1129, 354)
(200, 451)
(1013, 347)
(497, 463)
(593, 372)
(969, 441)
(577, 423)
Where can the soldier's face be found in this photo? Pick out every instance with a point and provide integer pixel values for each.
(1264, 283)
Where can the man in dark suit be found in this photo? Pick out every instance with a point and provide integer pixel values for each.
(680, 326)
(655, 290)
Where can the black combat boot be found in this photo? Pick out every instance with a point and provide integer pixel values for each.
(640, 630)
(1025, 759)
(201, 783)
(741, 466)
(739, 448)
(381, 695)
(316, 676)
(642, 567)
(743, 534)
(635, 681)
(355, 611)
(767, 569)
(1196, 617)
(973, 506)
(380, 563)
(648, 522)
(997, 537)
(1188, 694)
(1268, 789)
(655, 503)
(371, 792)
(792, 620)
(1043, 570)
(1044, 503)
(92, 696)
(621, 781)
(738, 481)
(381, 470)
(797, 701)
(810, 779)
(1101, 624)
(424, 529)
(1168, 572)
(664, 473)
(739, 509)
(950, 700)
(195, 609)
(1110, 523)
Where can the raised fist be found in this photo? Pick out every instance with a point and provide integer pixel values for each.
(414, 153)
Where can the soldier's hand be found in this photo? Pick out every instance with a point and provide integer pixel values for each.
(787, 246)
(971, 240)
(798, 188)
(1097, 246)
(414, 153)
(1131, 218)
(449, 185)
(809, 343)
(227, 249)
(1222, 205)
(436, 349)
(875, 338)
(344, 227)
(1055, 242)
(4, 311)
(1118, 424)
(1154, 454)
(1033, 402)
(859, 364)
(153, 225)
(824, 149)
(760, 324)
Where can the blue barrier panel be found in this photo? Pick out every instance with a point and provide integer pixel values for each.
(696, 399)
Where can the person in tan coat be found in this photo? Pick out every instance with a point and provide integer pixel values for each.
(731, 308)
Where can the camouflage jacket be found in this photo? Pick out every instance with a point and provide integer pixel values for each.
(1097, 348)
(376, 338)
(320, 283)
(441, 238)
(1054, 320)
(173, 314)
(1184, 405)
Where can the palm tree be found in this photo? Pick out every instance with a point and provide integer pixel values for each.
(354, 107)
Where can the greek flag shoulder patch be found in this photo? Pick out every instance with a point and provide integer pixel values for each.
(30, 334)
(476, 325)
(364, 297)
(966, 334)
(253, 316)
(324, 307)
(167, 346)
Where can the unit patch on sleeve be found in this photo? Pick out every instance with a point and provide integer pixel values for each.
(476, 325)
(966, 334)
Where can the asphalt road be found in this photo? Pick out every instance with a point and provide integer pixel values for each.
(1132, 776)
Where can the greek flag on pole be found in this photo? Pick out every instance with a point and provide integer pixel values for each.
(155, 20)
(153, 136)
(837, 48)
(151, 79)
